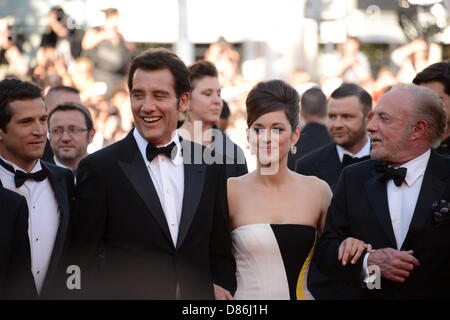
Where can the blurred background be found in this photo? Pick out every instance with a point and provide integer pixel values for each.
(87, 44)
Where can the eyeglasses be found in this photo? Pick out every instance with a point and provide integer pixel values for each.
(72, 131)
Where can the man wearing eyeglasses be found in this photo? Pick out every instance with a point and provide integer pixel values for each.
(71, 131)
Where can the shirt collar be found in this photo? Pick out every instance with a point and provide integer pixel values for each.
(37, 167)
(416, 167)
(142, 145)
(365, 151)
(59, 164)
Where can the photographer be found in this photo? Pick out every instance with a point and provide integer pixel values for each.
(62, 36)
(12, 60)
(108, 50)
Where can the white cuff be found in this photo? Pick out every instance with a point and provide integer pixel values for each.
(365, 271)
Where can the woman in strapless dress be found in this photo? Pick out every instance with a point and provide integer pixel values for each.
(276, 214)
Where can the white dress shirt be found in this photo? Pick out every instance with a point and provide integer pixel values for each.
(43, 220)
(402, 200)
(168, 178)
(365, 151)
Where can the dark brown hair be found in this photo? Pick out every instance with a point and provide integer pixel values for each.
(200, 69)
(158, 59)
(12, 89)
(270, 96)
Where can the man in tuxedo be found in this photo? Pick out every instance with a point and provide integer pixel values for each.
(16, 280)
(314, 133)
(71, 131)
(150, 215)
(48, 189)
(347, 112)
(437, 78)
(389, 203)
(55, 96)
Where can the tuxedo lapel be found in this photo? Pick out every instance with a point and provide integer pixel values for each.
(59, 187)
(136, 172)
(377, 195)
(194, 175)
(329, 165)
(431, 190)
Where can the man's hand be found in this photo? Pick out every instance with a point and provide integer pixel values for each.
(352, 248)
(221, 293)
(395, 265)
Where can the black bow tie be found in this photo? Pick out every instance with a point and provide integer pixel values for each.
(169, 151)
(348, 160)
(20, 177)
(387, 173)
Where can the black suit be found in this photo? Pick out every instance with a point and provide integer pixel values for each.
(16, 280)
(61, 182)
(231, 154)
(121, 237)
(359, 209)
(48, 153)
(444, 147)
(313, 136)
(323, 163)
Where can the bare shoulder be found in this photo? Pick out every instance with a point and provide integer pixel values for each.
(314, 184)
(238, 183)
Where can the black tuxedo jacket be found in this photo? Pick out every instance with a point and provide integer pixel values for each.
(121, 239)
(61, 181)
(359, 209)
(323, 163)
(313, 136)
(48, 153)
(16, 280)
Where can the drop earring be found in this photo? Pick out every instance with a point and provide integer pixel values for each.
(293, 149)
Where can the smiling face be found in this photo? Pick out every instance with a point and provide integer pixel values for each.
(24, 139)
(389, 127)
(346, 122)
(205, 103)
(155, 105)
(271, 137)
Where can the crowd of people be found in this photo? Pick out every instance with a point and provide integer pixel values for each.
(131, 168)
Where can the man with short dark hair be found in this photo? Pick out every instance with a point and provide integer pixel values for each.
(396, 203)
(57, 95)
(347, 112)
(150, 216)
(314, 134)
(48, 189)
(71, 131)
(437, 78)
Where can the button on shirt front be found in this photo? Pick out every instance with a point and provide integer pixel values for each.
(43, 220)
(168, 178)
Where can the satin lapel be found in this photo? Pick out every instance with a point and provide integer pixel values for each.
(377, 195)
(137, 173)
(329, 165)
(431, 190)
(59, 187)
(194, 176)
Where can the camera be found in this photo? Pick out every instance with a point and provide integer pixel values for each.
(61, 16)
